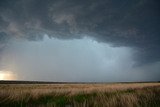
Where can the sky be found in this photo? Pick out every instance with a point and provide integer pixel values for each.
(80, 40)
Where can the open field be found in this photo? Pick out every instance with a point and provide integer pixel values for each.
(80, 95)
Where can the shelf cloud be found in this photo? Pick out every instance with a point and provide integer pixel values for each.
(127, 23)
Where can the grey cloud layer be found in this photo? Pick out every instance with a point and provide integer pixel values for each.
(132, 23)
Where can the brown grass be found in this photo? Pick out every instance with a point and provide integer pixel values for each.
(80, 95)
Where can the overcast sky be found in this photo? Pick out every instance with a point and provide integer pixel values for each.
(80, 41)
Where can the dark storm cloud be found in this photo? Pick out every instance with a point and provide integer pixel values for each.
(133, 23)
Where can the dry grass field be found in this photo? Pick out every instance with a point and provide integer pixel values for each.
(80, 95)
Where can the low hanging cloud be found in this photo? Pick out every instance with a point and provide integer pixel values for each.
(133, 23)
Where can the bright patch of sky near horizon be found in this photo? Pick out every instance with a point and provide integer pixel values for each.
(7, 75)
(75, 60)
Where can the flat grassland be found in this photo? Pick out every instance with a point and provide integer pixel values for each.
(80, 95)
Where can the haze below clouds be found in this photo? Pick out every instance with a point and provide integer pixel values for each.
(76, 60)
